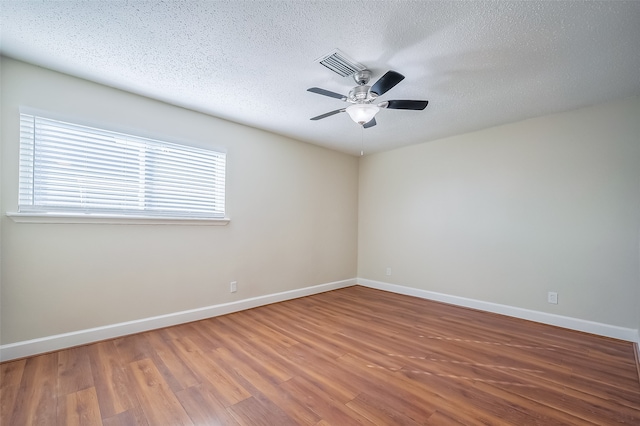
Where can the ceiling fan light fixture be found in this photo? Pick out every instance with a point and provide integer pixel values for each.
(362, 113)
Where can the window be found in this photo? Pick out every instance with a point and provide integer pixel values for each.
(69, 169)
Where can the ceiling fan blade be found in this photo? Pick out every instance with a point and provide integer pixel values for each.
(329, 93)
(370, 123)
(404, 104)
(328, 114)
(387, 82)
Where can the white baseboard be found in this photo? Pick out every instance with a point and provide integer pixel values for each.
(83, 337)
(628, 334)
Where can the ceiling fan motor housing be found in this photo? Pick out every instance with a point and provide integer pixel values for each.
(360, 94)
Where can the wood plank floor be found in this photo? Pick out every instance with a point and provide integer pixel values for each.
(351, 356)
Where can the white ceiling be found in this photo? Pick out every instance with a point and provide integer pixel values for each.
(479, 64)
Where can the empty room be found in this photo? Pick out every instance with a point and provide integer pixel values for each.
(296, 212)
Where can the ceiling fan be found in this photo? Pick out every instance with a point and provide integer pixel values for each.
(362, 109)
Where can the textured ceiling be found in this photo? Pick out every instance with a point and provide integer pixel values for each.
(479, 64)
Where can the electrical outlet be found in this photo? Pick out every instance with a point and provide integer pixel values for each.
(233, 287)
(388, 271)
(552, 297)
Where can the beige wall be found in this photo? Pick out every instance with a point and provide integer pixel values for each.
(293, 210)
(506, 214)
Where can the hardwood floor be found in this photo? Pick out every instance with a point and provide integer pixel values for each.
(350, 356)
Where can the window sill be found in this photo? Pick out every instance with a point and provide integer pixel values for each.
(112, 220)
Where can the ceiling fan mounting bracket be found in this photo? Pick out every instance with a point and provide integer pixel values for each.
(362, 77)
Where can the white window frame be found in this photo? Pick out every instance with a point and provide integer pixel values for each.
(71, 173)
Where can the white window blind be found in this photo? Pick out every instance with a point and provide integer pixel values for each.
(68, 168)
